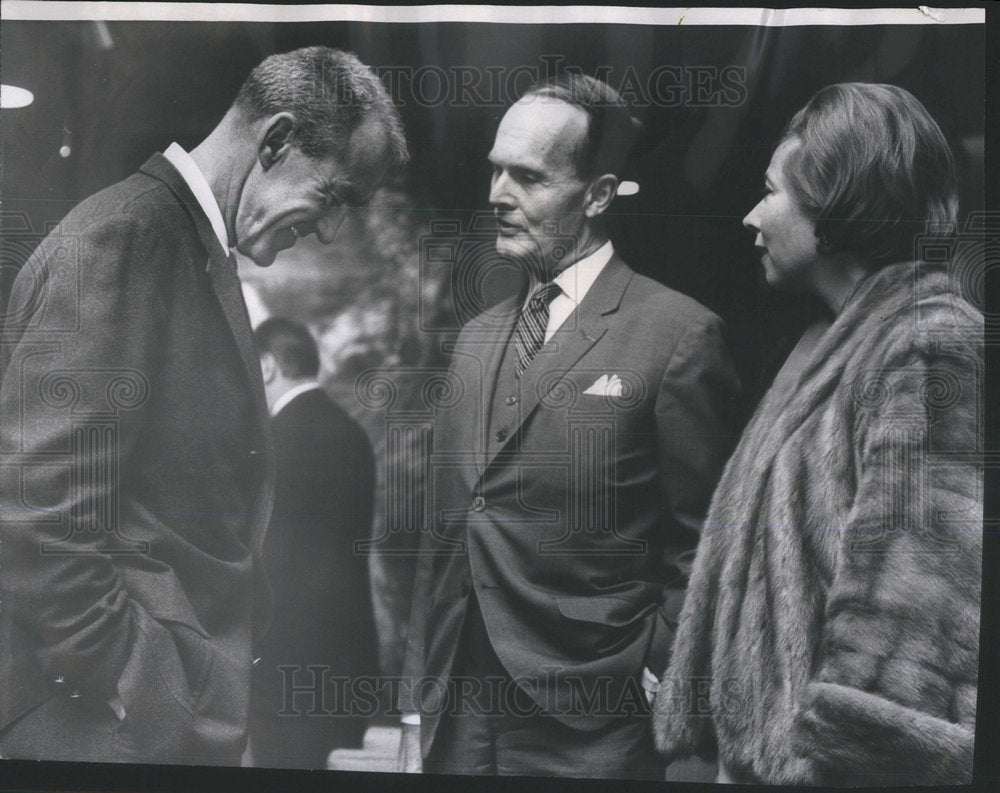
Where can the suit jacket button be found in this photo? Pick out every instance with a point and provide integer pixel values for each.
(75, 694)
(511, 400)
(60, 680)
(501, 436)
(479, 503)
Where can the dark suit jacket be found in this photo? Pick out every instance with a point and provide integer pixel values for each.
(324, 495)
(572, 531)
(137, 481)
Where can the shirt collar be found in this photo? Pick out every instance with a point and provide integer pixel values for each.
(290, 394)
(191, 173)
(576, 280)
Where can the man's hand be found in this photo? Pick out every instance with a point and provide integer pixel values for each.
(408, 760)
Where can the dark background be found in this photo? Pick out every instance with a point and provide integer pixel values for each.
(119, 95)
(116, 93)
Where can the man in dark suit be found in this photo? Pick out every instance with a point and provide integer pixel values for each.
(137, 474)
(570, 479)
(322, 638)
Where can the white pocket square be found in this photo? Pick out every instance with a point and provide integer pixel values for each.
(606, 386)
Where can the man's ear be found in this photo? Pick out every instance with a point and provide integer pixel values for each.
(268, 366)
(600, 193)
(279, 130)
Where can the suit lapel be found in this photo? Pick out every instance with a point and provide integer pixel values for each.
(226, 284)
(581, 331)
(222, 272)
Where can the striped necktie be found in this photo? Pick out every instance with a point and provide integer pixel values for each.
(529, 333)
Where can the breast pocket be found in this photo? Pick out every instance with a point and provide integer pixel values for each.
(594, 391)
(601, 420)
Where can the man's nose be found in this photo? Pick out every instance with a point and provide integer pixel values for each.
(500, 196)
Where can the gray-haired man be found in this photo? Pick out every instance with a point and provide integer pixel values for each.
(138, 471)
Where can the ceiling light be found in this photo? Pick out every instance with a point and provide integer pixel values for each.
(11, 96)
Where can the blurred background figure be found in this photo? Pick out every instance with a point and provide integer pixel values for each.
(834, 601)
(361, 297)
(323, 622)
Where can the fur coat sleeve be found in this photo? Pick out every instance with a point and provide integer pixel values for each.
(893, 698)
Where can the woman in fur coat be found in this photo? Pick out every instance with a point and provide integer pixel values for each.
(830, 632)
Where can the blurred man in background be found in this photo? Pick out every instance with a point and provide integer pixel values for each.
(138, 470)
(323, 628)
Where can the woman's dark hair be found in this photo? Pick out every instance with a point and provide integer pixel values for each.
(873, 168)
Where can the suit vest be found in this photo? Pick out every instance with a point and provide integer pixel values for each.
(505, 406)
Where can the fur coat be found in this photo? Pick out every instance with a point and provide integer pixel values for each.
(830, 632)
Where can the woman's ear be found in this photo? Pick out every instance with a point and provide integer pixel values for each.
(600, 193)
(823, 244)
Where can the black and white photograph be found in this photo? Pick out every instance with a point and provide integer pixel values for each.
(428, 395)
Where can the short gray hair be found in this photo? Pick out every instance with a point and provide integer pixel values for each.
(329, 92)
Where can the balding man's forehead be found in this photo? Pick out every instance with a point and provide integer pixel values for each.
(546, 113)
(539, 131)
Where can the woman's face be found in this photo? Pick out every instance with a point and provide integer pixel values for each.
(786, 238)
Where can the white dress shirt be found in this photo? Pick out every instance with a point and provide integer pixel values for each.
(290, 394)
(575, 281)
(191, 173)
